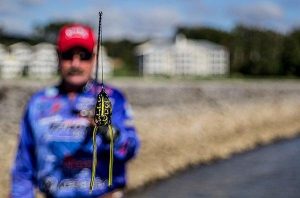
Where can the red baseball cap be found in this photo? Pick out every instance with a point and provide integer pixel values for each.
(75, 35)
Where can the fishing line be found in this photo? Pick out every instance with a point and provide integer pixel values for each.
(102, 117)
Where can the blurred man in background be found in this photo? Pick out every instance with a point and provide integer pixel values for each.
(55, 147)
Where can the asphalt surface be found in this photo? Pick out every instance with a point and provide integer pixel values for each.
(267, 172)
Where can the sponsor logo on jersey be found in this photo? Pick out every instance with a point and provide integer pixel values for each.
(66, 130)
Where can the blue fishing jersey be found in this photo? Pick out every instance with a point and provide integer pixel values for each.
(55, 144)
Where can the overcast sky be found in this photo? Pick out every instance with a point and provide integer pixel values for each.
(140, 19)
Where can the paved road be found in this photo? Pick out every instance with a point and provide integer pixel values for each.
(268, 172)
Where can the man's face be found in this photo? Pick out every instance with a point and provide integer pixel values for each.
(76, 66)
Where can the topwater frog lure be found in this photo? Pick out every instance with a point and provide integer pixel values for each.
(102, 117)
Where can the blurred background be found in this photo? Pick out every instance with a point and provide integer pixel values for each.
(206, 79)
(138, 30)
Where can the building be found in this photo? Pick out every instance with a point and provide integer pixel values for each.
(10, 67)
(3, 53)
(44, 62)
(21, 52)
(184, 57)
(39, 61)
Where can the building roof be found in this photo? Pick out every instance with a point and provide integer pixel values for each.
(153, 45)
(19, 45)
(158, 45)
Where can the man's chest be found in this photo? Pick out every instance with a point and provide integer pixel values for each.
(61, 119)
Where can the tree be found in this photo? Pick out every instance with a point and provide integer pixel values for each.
(218, 36)
(123, 50)
(49, 32)
(256, 51)
(291, 53)
(253, 51)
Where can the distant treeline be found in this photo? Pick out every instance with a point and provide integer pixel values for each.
(253, 51)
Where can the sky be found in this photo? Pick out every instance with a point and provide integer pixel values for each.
(141, 19)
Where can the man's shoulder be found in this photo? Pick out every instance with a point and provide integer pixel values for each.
(44, 93)
(115, 92)
(111, 90)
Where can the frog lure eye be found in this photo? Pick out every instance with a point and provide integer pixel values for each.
(102, 118)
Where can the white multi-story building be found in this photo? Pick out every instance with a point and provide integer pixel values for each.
(10, 67)
(39, 61)
(22, 52)
(44, 62)
(3, 53)
(184, 57)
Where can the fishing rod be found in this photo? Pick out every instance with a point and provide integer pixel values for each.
(102, 117)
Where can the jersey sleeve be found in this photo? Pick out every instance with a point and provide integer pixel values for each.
(23, 172)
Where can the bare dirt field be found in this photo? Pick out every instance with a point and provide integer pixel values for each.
(180, 123)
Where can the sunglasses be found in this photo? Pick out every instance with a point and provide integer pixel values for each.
(83, 55)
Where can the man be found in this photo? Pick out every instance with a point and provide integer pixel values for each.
(55, 147)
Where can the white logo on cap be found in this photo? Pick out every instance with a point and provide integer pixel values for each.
(76, 32)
